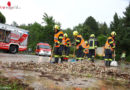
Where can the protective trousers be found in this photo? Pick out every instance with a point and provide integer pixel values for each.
(67, 51)
(80, 53)
(108, 57)
(91, 55)
(58, 54)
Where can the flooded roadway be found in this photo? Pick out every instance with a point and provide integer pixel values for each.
(43, 83)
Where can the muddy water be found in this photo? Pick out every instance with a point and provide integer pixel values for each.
(44, 83)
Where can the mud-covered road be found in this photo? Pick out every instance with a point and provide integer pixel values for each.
(5, 57)
(41, 75)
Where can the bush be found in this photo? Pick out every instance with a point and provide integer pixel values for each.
(128, 58)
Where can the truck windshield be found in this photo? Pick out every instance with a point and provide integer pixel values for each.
(44, 46)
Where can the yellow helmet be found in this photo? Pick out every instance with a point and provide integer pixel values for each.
(86, 42)
(57, 27)
(75, 33)
(66, 35)
(92, 35)
(113, 33)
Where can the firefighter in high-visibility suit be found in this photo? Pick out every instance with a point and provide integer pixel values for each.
(67, 47)
(92, 47)
(59, 42)
(80, 46)
(109, 48)
(86, 49)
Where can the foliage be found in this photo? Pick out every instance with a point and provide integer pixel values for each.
(2, 18)
(101, 40)
(122, 28)
(90, 26)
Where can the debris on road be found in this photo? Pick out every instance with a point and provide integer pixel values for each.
(80, 69)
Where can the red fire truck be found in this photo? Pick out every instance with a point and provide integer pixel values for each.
(12, 38)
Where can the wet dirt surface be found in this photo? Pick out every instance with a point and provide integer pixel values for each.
(37, 76)
(4, 57)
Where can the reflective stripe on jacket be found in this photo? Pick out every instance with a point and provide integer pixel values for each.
(86, 49)
(92, 43)
(82, 43)
(107, 44)
(67, 42)
(57, 37)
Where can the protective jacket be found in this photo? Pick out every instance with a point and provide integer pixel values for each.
(67, 42)
(92, 43)
(59, 38)
(80, 42)
(110, 43)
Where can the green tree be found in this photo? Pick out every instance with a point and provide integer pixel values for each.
(35, 35)
(101, 40)
(116, 26)
(103, 29)
(90, 26)
(127, 17)
(48, 33)
(122, 28)
(2, 18)
(126, 31)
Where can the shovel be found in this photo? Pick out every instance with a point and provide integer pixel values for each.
(114, 63)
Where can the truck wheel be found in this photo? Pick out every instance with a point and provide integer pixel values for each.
(13, 49)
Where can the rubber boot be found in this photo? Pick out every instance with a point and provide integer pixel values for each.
(62, 59)
(93, 60)
(106, 63)
(56, 60)
(109, 63)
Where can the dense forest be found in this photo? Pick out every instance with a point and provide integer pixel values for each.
(40, 33)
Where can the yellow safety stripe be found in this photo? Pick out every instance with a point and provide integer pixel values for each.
(60, 37)
(89, 58)
(81, 58)
(56, 56)
(58, 42)
(67, 56)
(77, 40)
(106, 59)
(110, 59)
(63, 56)
(111, 42)
(78, 58)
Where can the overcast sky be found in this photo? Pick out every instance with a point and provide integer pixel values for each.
(68, 12)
